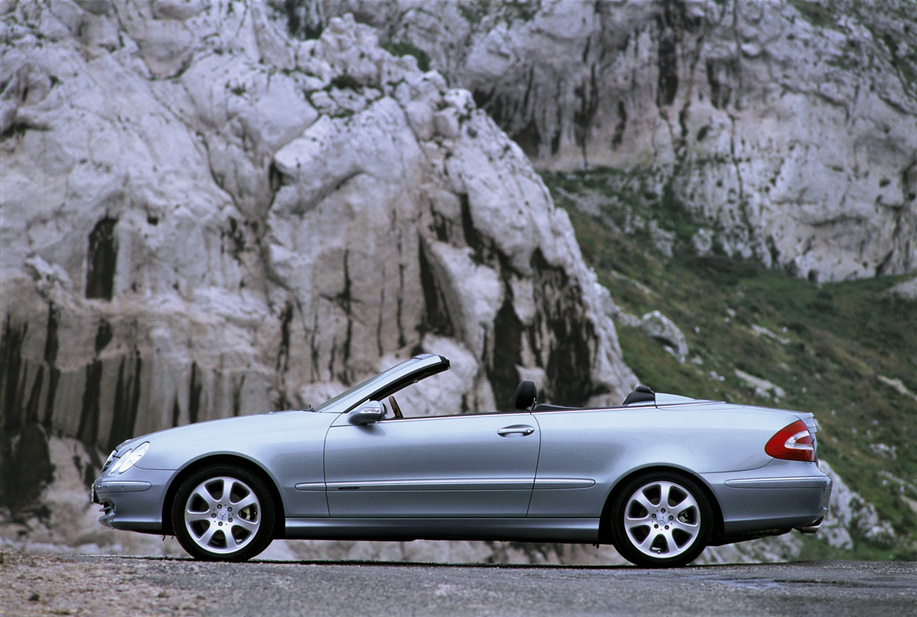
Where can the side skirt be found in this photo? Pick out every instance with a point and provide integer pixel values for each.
(574, 530)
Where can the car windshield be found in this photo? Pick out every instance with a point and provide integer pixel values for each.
(378, 378)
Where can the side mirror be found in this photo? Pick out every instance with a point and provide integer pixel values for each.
(367, 413)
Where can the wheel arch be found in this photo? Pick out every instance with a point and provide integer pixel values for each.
(623, 481)
(223, 459)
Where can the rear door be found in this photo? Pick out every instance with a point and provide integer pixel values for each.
(450, 466)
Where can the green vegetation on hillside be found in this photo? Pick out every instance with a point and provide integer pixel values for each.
(844, 351)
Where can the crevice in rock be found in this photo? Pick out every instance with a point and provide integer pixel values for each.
(90, 412)
(667, 58)
(507, 351)
(237, 396)
(126, 406)
(482, 247)
(102, 260)
(304, 19)
(345, 301)
(176, 412)
(195, 394)
(569, 351)
(31, 407)
(29, 454)
(283, 354)
(436, 318)
(528, 138)
(583, 116)
(618, 135)
(88, 430)
(720, 73)
(380, 348)
(12, 374)
(52, 345)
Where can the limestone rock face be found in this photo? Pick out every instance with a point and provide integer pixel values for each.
(788, 125)
(203, 216)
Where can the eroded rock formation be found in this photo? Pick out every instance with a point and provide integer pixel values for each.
(203, 216)
(787, 126)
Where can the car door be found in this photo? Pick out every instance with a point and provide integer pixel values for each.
(450, 466)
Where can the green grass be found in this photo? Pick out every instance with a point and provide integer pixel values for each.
(827, 347)
(399, 47)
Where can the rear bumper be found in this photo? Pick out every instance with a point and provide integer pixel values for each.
(779, 497)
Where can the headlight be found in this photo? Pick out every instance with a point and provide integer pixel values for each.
(130, 458)
(109, 461)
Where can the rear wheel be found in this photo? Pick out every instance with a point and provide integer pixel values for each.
(661, 519)
(223, 513)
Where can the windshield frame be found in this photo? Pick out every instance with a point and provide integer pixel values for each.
(387, 382)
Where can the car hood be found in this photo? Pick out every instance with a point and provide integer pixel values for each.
(241, 435)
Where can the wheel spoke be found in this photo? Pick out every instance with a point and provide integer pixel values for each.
(685, 504)
(644, 501)
(248, 500)
(636, 523)
(665, 488)
(647, 544)
(196, 517)
(671, 548)
(207, 537)
(204, 495)
(231, 543)
(248, 526)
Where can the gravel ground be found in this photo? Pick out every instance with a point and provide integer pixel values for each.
(154, 586)
(51, 585)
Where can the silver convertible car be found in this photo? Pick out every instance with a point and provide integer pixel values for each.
(660, 477)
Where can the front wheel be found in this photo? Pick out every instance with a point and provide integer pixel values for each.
(660, 520)
(223, 513)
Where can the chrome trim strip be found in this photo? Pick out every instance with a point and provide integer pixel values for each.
(542, 484)
(790, 482)
(124, 486)
(463, 484)
(491, 484)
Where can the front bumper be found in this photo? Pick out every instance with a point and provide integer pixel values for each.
(132, 501)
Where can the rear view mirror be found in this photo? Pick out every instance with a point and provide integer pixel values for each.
(367, 413)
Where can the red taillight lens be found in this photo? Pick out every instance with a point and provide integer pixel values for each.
(792, 443)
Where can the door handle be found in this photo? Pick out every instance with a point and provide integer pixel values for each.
(518, 429)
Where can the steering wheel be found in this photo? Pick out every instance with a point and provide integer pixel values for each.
(396, 410)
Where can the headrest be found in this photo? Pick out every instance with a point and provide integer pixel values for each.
(526, 394)
(641, 394)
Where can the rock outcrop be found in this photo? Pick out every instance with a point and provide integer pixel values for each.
(787, 126)
(202, 216)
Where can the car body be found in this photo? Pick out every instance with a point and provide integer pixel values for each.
(660, 477)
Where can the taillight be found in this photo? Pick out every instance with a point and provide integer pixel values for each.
(792, 443)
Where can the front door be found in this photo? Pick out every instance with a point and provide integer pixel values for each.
(450, 466)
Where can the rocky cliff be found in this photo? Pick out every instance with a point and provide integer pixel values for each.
(209, 209)
(203, 216)
(787, 127)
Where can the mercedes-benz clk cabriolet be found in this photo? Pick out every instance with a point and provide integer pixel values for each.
(660, 477)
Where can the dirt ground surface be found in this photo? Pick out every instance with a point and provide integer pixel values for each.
(52, 585)
(155, 586)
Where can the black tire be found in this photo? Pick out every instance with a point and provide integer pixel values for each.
(223, 513)
(661, 520)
